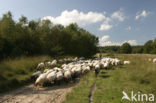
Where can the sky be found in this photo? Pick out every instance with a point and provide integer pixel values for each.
(113, 21)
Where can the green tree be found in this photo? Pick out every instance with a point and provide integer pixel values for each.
(148, 46)
(126, 48)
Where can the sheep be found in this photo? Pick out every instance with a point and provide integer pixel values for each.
(127, 62)
(97, 70)
(117, 62)
(48, 64)
(61, 61)
(106, 65)
(59, 77)
(51, 77)
(149, 59)
(67, 75)
(40, 66)
(35, 75)
(77, 71)
(81, 58)
(41, 79)
(75, 59)
(53, 63)
(57, 69)
(72, 70)
(49, 71)
(154, 60)
(45, 70)
(86, 69)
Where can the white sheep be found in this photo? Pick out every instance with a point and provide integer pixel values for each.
(97, 66)
(154, 60)
(149, 59)
(40, 66)
(85, 69)
(67, 75)
(127, 62)
(59, 76)
(74, 69)
(51, 77)
(53, 63)
(45, 70)
(35, 75)
(41, 79)
(77, 71)
(106, 65)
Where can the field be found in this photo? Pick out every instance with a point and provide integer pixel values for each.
(140, 75)
(17, 72)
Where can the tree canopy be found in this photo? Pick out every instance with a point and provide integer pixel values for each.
(126, 48)
(37, 37)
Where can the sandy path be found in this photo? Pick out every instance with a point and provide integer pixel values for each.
(93, 88)
(30, 94)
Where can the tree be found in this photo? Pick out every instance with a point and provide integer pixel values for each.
(148, 46)
(154, 47)
(126, 48)
(33, 37)
(23, 20)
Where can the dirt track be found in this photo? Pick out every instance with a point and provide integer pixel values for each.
(30, 94)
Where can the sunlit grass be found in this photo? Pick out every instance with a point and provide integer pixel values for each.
(140, 75)
(81, 93)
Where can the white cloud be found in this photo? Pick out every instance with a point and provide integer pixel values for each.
(104, 38)
(109, 43)
(132, 42)
(103, 41)
(76, 16)
(105, 26)
(119, 15)
(142, 14)
(129, 28)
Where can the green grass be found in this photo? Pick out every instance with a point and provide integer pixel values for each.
(140, 75)
(81, 93)
(17, 72)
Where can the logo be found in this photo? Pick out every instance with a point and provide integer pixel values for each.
(138, 97)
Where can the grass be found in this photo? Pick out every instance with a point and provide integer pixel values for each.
(140, 75)
(17, 72)
(81, 93)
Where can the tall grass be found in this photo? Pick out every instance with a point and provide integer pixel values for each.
(16, 72)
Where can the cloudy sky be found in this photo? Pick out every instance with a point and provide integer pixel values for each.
(113, 21)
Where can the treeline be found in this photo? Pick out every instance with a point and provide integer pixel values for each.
(37, 37)
(149, 48)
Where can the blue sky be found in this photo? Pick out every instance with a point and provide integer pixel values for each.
(113, 21)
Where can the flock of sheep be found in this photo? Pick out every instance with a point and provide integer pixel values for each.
(154, 60)
(71, 70)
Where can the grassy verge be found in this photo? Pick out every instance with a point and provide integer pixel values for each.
(140, 75)
(81, 93)
(17, 72)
